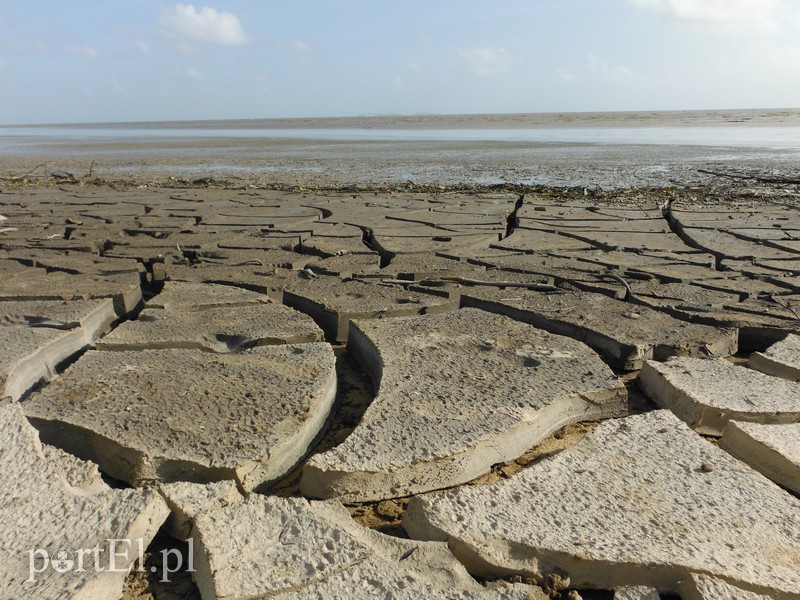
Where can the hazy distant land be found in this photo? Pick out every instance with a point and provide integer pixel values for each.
(675, 118)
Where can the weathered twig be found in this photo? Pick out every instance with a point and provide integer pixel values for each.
(24, 175)
(539, 287)
(786, 305)
(425, 282)
(646, 214)
(253, 262)
(628, 292)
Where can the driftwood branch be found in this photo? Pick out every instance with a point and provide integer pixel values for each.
(24, 175)
(757, 178)
(59, 175)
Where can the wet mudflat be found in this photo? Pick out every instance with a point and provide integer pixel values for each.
(588, 150)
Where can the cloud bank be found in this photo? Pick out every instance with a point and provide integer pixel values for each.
(489, 61)
(204, 25)
(751, 13)
(82, 51)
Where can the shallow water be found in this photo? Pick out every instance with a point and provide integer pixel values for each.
(21, 140)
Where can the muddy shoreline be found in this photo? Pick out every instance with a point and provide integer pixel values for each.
(375, 165)
(721, 148)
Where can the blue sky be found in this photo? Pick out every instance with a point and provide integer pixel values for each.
(118, 60)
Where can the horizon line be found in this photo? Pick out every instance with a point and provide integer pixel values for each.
(288, 122)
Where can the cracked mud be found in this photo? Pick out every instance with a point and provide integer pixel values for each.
(501, 392)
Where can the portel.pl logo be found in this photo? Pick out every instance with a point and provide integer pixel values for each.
(115, 556)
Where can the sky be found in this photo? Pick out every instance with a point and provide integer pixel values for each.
(68, 61)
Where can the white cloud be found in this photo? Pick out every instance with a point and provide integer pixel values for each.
(398, 82)
(193, 74)
(616, 74)
(299, 46)
(204, 25)
(22, 46)
(565, 76)
(489, 61)
(782, 63)
(754, 14)
(143, 47)
(84, 51)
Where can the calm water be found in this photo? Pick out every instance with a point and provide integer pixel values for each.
(19, 140)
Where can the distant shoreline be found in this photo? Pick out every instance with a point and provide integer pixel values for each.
(672, 118)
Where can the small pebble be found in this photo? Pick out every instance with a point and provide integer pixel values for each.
(707, 467)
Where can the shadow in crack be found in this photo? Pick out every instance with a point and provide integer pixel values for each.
(164, 574)
(354, 394)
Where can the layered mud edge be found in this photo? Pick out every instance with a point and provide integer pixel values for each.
(388, 516)
(721, 186)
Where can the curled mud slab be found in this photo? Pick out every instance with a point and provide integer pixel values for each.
(642, 500)
(770, 449)
(709, 393)
(623, 334)
(41, 511)
(457, 393)
(781, 359)
(639, 592)
(37, 336)
(184, 415)
(215, 318)
(290, 548)
(334, 302)
(702, 587)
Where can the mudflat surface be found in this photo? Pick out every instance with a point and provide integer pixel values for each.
(605, 150)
